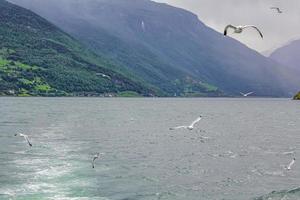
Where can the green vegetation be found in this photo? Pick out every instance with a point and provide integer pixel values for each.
(38, 59)
(128, 94)
(297, 96)
(19, 79)
(192, 88)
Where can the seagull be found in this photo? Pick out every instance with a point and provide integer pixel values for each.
(190, 127)
(143, 26)
(103, 75)
(291, 164)
(247, 94)
(95, 157)
(276, 8)
(25, 137)
(239, 29)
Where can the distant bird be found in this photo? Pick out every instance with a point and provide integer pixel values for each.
(289, 167)
(25, 137)
(103, 75)
(239, 29)
(95, 157)
(247, 94)
(276, 8)
(143, 26)
(190, 127)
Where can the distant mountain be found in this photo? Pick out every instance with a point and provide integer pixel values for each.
(167, 47)
(37, 58)
(288, 55)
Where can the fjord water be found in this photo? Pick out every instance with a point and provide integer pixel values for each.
(238, 151)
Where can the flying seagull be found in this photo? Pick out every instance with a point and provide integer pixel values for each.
(247, 94)
(95, 157)
(276, 8)
(289, 167)
(143, 26)
(190, 127)
(25, 137)
(239, 29)
(103, 75)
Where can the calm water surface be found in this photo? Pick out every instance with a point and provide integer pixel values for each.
(237, 152)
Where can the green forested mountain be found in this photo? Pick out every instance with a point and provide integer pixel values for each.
(297, 96)
(37, 58)
(167, 47)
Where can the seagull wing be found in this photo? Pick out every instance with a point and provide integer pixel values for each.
(195, 122)
(249, 93)
(27, 140)
(178, 127)
(242, 94)
(227, 27)
(291, 164)
(276, 8)
(93, 162)
(252, 26)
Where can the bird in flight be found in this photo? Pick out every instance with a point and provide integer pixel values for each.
(247, 94)
(94, 158)
(190, 127)
(239, 29)
(103, 75)
(289, 167)
(277, 9)
(25, 137)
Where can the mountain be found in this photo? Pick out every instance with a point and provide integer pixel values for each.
(167, 47)
(288, 55)
(37, 58)
(297, 96)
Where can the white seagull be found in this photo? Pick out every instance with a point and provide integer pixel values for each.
(103, 75)
(289, 167)
(190, 127)
(25, 137)
(276, 8)
(247, 94)
(143, 26)
(239, 29)
(95, 157)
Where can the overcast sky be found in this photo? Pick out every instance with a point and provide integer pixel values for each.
(278, 29)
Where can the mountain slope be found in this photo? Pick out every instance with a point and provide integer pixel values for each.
(166, 46)
(288, 55)
(297, 96)
(37, 58)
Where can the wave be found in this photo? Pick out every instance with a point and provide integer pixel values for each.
(293, 194)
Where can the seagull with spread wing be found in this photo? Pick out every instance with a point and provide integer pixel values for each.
(190, 127)
(277, 9)
(25, 137)
(94, 158)
(247, 94)
(289, 167)
(239, 29)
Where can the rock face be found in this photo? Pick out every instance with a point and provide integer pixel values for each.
(168, 47)
(297, 96)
